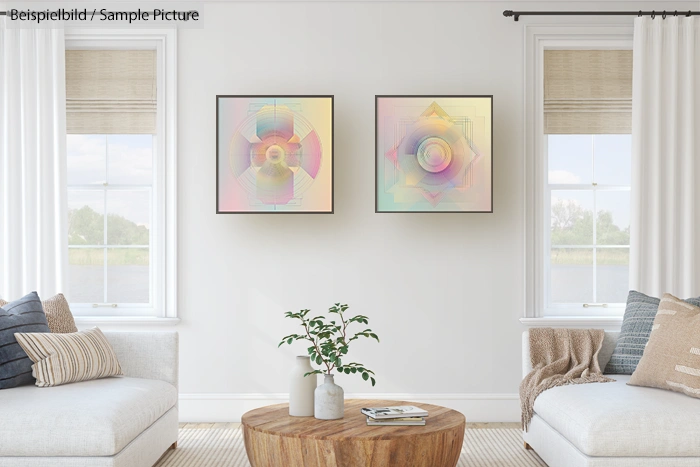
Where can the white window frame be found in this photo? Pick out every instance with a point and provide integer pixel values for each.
(163, 307)
(539, 38)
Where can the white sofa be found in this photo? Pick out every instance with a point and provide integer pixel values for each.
(613, 424)
(125, 421)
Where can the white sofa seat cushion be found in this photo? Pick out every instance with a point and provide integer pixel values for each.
(613, 419)
(90, 418)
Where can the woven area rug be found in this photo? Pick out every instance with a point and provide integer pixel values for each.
(219, 447)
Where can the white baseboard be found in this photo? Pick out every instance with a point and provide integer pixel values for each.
(229, 407)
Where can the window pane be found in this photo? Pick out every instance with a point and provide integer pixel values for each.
(570, 159)
(612, 274)
(130, 159)
(85, 217)
(613, 219)
(129, 217)
(613, 159)
(86, 275)
(128, 275)
(572, 217)
(86, 159)
(571, 275)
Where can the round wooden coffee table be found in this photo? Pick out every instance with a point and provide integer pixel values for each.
(274, 439)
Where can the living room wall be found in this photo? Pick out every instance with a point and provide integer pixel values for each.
(443, 291)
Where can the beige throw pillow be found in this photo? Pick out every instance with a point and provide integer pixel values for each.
(68, 358)
(57, 312)
(671, 358)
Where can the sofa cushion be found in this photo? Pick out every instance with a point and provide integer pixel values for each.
(58, 314)
(636, 327)
(69, 357)
(614, 419)
(90, 418)
(23, 315)
(672, 357)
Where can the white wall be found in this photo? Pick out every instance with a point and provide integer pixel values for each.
(443, 291)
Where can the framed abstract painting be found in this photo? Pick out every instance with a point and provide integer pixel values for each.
(434, 154)
(274, 154)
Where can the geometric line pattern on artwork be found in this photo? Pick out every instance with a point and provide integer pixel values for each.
(432, 154)
(275, 155)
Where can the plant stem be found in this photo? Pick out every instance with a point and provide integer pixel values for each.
(345, 324)
(318, 351)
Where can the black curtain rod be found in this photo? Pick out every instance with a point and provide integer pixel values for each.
(517, 14)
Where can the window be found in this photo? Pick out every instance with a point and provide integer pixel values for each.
(120, 173)
(588, 206)
(111, 209)
(577, 173)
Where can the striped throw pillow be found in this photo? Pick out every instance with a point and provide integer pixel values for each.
(23, 315)
(58, 313)
(671, 359)
(68, 358)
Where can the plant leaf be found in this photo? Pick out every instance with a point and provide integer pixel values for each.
(365, 376)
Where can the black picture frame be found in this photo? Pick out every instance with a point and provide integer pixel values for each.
(376, 149)
(279, 96)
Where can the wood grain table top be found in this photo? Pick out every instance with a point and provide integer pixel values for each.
(275, 419)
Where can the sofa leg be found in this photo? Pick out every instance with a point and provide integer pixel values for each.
(527, 446)
(174, 445)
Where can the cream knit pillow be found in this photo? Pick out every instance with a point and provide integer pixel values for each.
(68, 358)
(671, 359)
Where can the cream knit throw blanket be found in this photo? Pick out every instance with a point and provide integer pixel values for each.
(560, 357)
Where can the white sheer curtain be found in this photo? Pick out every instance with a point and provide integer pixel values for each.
(33, 234)
(665, 222)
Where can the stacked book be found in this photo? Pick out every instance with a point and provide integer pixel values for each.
(402, 415)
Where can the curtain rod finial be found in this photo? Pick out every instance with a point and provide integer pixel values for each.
(509, 13)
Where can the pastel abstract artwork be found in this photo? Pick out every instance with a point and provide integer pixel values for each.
(433, 154)
(274, 154)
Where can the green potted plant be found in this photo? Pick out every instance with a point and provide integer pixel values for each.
(330, 341)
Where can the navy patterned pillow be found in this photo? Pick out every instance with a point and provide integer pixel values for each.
(636, 326)
(23, 315)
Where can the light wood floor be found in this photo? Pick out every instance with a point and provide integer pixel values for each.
(205, 426)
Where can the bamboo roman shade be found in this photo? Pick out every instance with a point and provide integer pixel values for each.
(587, 91)
(111, 91)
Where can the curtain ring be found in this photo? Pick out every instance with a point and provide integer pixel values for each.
(675, 13)
(653, 14)
(664, 15)
(640, 14)
(688, 15)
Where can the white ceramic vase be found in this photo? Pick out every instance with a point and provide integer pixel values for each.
(301, 389)
(329, 403)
